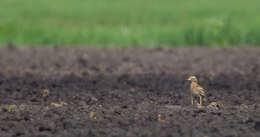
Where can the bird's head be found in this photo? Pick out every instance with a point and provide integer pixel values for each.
(192, 79)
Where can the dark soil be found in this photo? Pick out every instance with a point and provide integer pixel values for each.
(117, 92)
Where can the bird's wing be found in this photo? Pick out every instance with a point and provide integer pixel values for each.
(201, 90)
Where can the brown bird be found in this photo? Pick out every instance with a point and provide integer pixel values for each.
(196, 90)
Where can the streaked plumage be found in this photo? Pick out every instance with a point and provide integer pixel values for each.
(196, 90)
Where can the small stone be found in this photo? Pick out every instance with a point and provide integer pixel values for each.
(56, 105)
(174, 107)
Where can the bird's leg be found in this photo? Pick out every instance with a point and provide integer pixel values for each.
(192, 100)
(200, 100)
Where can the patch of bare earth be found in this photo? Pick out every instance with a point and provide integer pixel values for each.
(115, 92)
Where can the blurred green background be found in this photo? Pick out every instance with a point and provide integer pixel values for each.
(130, 22)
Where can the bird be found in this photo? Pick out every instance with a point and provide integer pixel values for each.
(196, 90)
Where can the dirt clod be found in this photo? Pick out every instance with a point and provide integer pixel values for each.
(257, 125)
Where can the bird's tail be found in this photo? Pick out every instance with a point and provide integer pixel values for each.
(204, 98)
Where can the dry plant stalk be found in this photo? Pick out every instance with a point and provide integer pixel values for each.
(45, 93)
(160, 118)
(93, 115)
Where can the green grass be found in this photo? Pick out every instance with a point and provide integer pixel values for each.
(130, 22)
